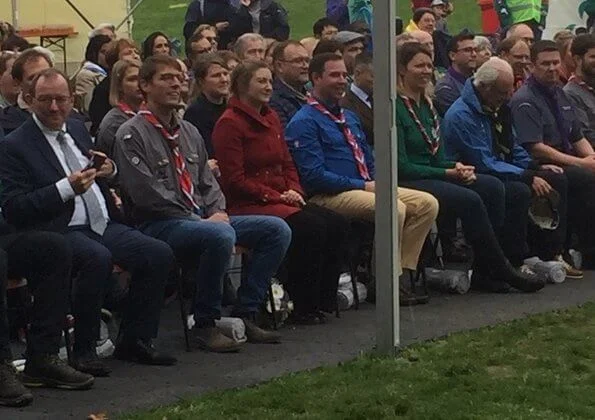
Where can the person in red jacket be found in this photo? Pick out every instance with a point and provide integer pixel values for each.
(258, 176)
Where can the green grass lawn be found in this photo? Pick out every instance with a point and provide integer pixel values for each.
(538, 368)
(168, 16)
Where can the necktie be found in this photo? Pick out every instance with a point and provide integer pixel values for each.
(97, 220)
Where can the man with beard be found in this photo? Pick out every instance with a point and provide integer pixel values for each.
(580, 86)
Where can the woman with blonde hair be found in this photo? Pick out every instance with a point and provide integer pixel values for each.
(125, 97)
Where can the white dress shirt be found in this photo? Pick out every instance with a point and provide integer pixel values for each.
(361, 94)
(79, 216)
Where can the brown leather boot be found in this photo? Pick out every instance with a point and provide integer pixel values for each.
(256, 334)
(212, 339)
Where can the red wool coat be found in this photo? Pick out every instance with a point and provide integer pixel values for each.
(256, 167)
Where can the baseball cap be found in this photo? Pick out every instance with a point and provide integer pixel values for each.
(345, 37)
(438, 3)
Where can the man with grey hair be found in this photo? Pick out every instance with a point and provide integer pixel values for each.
(250, 46)
(477, 129)
(104, 29)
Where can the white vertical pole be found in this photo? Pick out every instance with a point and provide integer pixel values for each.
(386, 243)
(15, 15)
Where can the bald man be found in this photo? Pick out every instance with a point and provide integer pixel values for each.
(425, 39)
(523, 31)
(477, 129)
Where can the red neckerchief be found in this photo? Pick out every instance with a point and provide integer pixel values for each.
(360, 159)
(184, 177)
(432, 142)
(575, 79)
(125, 108)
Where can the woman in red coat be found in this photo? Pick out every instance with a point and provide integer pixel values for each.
(258, 177)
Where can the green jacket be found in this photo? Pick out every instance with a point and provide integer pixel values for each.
(517, 11)
(360, 10)
(414, 157)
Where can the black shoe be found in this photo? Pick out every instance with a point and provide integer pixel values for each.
(144, 352)
(12, 392)
(483, 282)
(309, 318)
(521, 280)
(50, 371)
(90, 363)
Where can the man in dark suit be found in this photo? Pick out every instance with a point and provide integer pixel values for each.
(52, 181)
(358, 97)
(44, 259)
(29, 63)
(217, 13)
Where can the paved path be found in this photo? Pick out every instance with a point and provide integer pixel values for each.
(132, 386)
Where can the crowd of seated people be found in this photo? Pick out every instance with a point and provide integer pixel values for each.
(155, 164)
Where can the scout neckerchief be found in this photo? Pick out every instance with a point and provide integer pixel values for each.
(433, 140)
(184, 177)
(358, 154)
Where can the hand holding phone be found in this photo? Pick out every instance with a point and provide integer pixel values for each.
(96, 161)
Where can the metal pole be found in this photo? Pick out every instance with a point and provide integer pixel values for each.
(15, 15)
(138, 3)
(81, 15)
(386, 242)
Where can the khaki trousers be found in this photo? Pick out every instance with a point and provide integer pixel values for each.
(417, 212)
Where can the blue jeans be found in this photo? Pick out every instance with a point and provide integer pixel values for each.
(205, 248)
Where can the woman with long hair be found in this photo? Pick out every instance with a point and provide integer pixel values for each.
(125, 97)
(156, 44)
(258, 176)
(92, 72)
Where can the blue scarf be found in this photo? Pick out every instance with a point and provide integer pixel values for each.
(551, 98)
(95, 68)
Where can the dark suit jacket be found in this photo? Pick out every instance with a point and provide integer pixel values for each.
(29, 170)
(366, 115)
(215, 11)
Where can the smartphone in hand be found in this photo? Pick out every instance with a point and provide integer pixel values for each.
(95, 162)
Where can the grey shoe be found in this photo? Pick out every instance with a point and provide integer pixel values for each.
(12, 391)
(256, 334)
(212, 339)
(49, 371)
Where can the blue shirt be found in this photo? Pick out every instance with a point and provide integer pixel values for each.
(322, 155)
(468, 134)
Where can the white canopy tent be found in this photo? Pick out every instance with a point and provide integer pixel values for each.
(82, 15)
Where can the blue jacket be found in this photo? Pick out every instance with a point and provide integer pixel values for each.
(467, 134)
(322, 155)
(285, 102)
(337, 10)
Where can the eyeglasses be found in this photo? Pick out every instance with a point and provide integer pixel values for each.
(48, 100)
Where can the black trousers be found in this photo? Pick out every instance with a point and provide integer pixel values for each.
(44, 258)
(315, 257)
(489, 211)
(149, 261)
(581, 206)
(549, 243)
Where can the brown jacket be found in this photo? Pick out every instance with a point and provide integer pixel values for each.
(351, 102)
